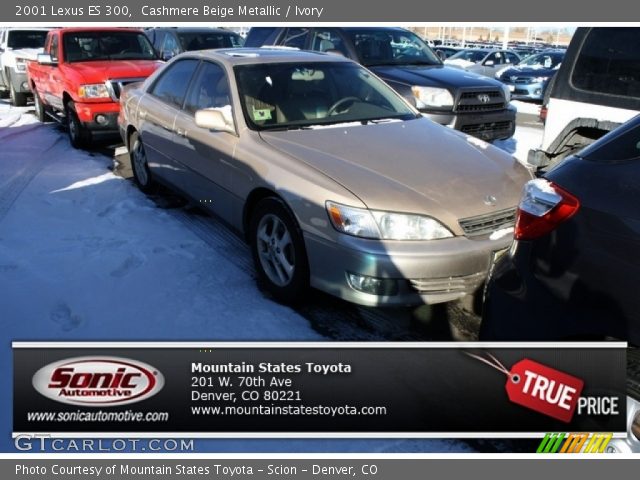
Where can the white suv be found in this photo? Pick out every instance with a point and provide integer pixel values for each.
(17, 46)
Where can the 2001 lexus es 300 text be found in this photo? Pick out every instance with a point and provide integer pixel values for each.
(333, 178)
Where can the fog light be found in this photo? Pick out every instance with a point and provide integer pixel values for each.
(101, 119)
(538, 92)
(373, 285)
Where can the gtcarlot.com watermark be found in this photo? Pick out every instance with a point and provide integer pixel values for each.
(44, 443)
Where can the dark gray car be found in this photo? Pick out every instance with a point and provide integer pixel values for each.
(474, 104)
(170, 41)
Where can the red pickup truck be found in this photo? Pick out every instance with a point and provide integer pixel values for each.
(79, 77)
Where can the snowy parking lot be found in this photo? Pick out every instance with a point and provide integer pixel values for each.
(85, 256)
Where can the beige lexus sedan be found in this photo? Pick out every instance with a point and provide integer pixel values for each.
(333, 179)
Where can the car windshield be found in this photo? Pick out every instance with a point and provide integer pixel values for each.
(474, 56)
(208, 40)
(26, 39)
(391, 47)
(543, 60)
(302, 95)
(107, 45)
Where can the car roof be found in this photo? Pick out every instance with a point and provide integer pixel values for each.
(28, 29)
(194, 30)
(248, 56)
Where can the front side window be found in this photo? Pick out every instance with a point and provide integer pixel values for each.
(474, 56)
(172, 86)
(107, 45)
(299, 95)
(170, 45)
(609, 62)
(209, 89)
(53, 49)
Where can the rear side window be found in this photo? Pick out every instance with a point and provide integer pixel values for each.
(609, 62)
(172, 86)
(620, 145)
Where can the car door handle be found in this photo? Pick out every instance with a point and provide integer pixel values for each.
(142, 114)
(180, 132)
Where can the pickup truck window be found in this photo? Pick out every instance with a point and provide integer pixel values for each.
(106, 45)
(26, 38)
(391, 47)
(172, 85)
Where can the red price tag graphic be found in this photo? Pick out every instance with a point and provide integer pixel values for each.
(540, 388)
(544, 389)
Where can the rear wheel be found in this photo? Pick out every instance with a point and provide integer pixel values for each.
(41, 110)
(140, 166)
(79, 136)
(278, 251)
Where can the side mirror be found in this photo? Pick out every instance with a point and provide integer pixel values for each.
(216, 119)
(489, 63)
(45, 59)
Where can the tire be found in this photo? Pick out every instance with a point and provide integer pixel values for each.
(280, 259)
(17, 99)
(139, 165)
(79, 136)
(40, 108)
(4, 93)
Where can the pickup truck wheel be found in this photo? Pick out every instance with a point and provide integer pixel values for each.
(278, 249)
(79, 136)
(41, 110)
(139, 166)
(17, 99)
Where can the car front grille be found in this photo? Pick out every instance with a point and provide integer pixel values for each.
(488, 130)
(480, 101)
(462, 284)
(488, 223)
(115, 86)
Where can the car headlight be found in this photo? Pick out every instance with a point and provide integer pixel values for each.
(95, 90)
(364, 223)
(432, 97)
(21, 65)
(507, 93)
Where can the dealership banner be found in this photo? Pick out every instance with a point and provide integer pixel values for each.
(305, 11)
(317, 389)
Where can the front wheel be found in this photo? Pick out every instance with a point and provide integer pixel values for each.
(17, 99)
(278, 251)
(79, 136)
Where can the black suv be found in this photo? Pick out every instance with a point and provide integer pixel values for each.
(468, 102)
(170, 41)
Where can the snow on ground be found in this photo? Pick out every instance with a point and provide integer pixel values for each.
(524, 139)
(85, 256)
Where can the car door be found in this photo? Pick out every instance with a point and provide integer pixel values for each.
(157, 111)
(207, 156)
(51, 81)
(492, 63)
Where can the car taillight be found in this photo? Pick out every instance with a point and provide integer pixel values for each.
(544, 206)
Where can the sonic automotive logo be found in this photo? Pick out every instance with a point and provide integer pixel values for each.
(98, 381)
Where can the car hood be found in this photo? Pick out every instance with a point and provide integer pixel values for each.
(414, 166)
(436, 76)
(27, 53)
(528, 72)
(100, 71)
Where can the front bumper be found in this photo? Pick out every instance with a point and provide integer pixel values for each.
(531, 91)
(423, 271)
(488, 126)
(19, 81)
(99, 117)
